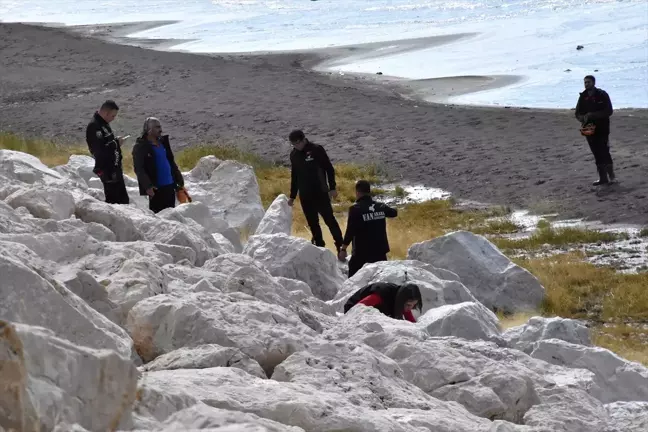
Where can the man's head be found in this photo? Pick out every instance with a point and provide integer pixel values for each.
(297, 139)
(108, 111)
(362, 188)
(589, 82)
(152, 128)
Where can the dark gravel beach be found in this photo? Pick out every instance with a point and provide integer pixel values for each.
(52, 80)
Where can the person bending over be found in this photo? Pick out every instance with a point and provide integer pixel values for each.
(310, 168)
(158, 175)
(395, 301)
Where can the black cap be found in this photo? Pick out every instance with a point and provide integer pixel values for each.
(296, 136)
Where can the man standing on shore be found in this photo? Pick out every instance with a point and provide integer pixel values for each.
(106, 150)
(367, 229)
(594, 108)
(310, 170)
(158, 175)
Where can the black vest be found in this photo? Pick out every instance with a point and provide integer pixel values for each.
(386, 291)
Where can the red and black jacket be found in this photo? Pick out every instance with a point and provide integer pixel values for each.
(597, 107)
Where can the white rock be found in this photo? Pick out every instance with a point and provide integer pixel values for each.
(230, 263)
(62, 247)
(435, 289)
(297, 258)
(110, 216)
(628, 416)
(52, 380)
(468, 320)
(28, 298)
(44, 202)
(293, 285)
(277, 219)
(539, 328)
(11, 222)
(192, 276)
(23, 167)
(95, 294)
(94, 230)
(265, 332)
(619, 379)
(234, 196)
(205, 356)
(204, 168)
(493, 279)
(81, 165)
(292, 404)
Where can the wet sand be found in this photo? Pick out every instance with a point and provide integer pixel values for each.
(52, 80)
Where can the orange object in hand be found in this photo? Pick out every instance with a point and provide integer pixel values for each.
(183, 196)
(588, 130)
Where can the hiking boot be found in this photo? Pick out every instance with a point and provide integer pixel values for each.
(610, 172)
(603, 179)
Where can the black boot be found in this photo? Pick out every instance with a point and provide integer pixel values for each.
(610, 172)
(603, 179)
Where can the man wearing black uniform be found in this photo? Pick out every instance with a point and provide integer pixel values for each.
(310, 170)
(106, 150)
(594, 107)
(367, 229)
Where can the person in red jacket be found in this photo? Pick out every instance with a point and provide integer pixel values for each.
(395, 301)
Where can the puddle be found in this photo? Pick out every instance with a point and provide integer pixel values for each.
(402, 193)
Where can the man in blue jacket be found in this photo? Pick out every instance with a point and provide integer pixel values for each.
(158, 175)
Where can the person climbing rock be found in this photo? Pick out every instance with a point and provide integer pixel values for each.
(158, 175)
(593, 110)
(366, 229)
(312, 176)
(105, 148)
(395, 301)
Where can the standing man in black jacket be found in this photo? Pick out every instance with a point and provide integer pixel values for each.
(367, 229)
(594, 107)
(310, 170)
(105, 147)
(158, 175)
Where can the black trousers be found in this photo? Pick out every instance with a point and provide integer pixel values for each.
(115, 192)
(321, 205)
(599, 145)
(358, 261)
(164, 197)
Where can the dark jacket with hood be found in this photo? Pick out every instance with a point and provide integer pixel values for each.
(144, 164)
(388, 293)
(105, 149)
(598, 109)
(310, 170)
(367, 228)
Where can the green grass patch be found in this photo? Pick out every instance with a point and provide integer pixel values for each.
(557, 237)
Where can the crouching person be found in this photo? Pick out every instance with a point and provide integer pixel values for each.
(395, 301)
(158, 175)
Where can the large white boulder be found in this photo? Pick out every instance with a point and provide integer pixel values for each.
(493, 279)
(204, 168)
(618, 379)
(468, 320)
(232, 194)
(438, 287)
(293, 404)
(111, 216)
(44, 202)
(277, 219)
(46, 381)
(205, 356)
(296, 258)
(92, 292)
(22, 167)
(80, 165)
(539, 328)
(265, 332)
(28, 298)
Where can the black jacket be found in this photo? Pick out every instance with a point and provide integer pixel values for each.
(144, 164)
(387, 291)
(367, 228)
(310, 169)
(599, 109)
(105, 149)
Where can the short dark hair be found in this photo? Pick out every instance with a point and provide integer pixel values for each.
(363, 186)
(296, 136)
(109, 105)
(590, 77)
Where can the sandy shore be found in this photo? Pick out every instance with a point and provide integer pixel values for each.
(52, 80)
